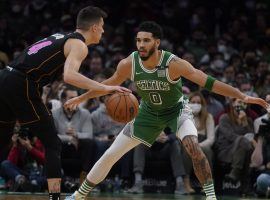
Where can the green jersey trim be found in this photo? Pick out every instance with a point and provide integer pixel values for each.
(155, 69)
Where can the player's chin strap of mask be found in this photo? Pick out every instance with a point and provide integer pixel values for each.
(209, 83)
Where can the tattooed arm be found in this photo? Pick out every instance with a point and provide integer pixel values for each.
(181, 68)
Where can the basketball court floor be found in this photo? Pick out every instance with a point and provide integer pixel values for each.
(17, 196)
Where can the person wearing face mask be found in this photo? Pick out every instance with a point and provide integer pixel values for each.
(246, 87)
(205, 124)
(233, 145)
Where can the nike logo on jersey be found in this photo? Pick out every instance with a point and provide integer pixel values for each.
(138, 73)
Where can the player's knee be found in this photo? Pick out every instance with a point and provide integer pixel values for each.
(110, 156)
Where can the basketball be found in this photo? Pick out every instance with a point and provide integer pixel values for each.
(122, 106)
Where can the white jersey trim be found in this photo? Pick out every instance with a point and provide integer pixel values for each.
(134, 137)
(167, 71)
(153, 70)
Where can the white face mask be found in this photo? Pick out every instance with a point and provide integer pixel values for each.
(195, 107)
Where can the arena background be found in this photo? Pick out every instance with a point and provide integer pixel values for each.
(227, 39)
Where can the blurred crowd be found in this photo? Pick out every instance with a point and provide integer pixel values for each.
(227, 39)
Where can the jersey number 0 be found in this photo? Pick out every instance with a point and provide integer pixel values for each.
(155, 98)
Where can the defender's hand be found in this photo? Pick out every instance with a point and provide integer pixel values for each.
(73, 103)
(255, 100)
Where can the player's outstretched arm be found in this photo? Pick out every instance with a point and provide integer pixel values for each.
(122, 73)
(75, 52)
(180, 67)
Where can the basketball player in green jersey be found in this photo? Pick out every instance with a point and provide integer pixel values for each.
(157, 75)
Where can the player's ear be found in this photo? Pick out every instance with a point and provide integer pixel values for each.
(93, 28)
(157, 42)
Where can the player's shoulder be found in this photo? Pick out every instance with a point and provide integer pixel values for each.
(126, 61)
(76, 46)
(75, 42)
(176, 61)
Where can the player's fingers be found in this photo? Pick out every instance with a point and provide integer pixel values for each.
(123, 89)
(74, 106)
(66, 103)
(262, 103)
(268, 108)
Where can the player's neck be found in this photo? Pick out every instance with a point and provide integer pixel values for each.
(88, 39)
(152, 61)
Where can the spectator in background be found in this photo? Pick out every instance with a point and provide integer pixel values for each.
(233, 143)
(247, 88)
(236, 61)
(260, 159)
(263, 180)
(196, 44)
(240, 77)
(263, 84)
(95, 66)
(51, 94)
(218, 63)
(229, 75)
(263, 67)
(205, 125)
(92, 104)
(214, 107)
(24, 165)
(165, 146)
(75, 130)
(250, 61)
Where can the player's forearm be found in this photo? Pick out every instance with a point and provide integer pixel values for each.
(93, 94)
(90, 95)
(83, 82)
(227, 90)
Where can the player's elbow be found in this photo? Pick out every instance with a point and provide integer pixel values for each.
(67, 77)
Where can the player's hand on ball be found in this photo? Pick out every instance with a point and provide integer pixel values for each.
(111, 89)
(73, 103)
(255, 100)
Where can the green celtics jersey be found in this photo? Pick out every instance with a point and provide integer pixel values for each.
(157, 90)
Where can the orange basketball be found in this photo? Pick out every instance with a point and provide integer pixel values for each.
(122, 106)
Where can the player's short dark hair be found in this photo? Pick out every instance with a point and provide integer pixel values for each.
(151, 27)
(88, 16)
